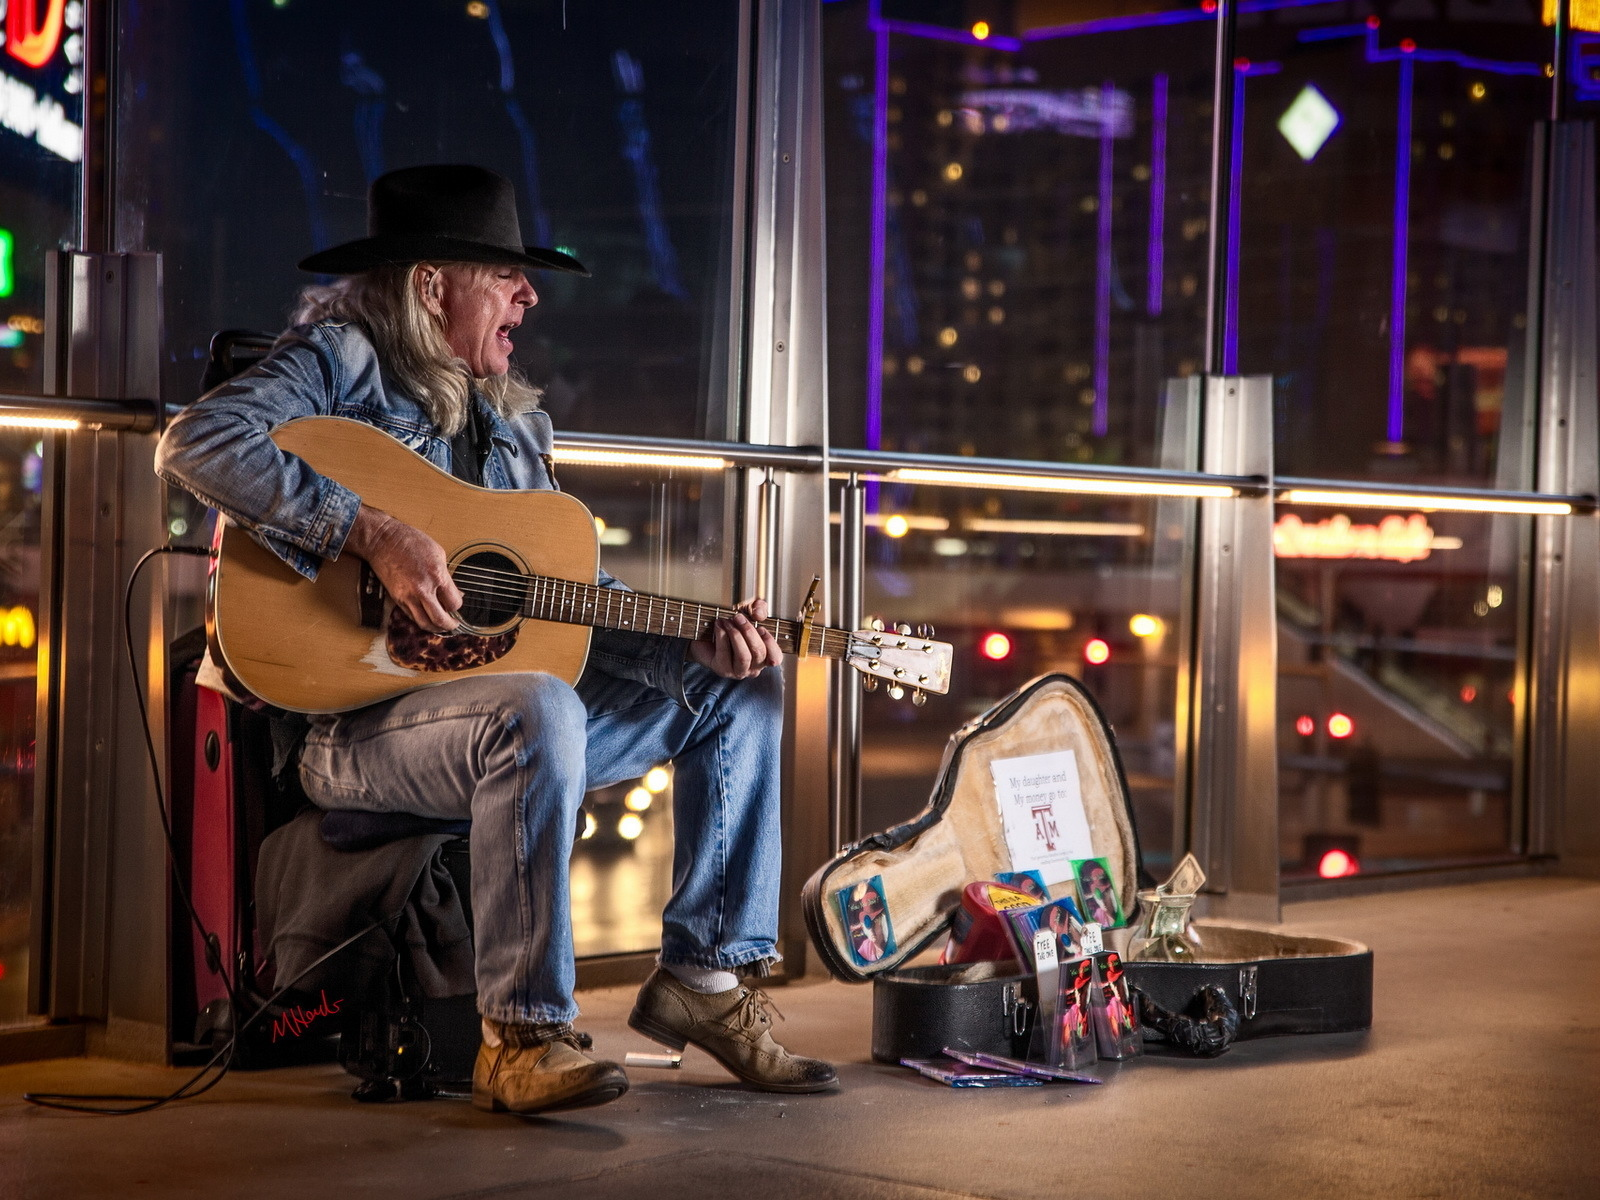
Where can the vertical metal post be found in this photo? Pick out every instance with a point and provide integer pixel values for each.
(769, 517)
(786, 400)
(846, 825)
(1234, 768)
(1564, 669)
(1222, 118)
(108, 883)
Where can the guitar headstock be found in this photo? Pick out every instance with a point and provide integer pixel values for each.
(901, 658)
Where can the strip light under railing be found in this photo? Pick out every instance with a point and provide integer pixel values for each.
(1059, 483)
(1424, 502)
(1053, 528)
(12, 420)
(573, 456)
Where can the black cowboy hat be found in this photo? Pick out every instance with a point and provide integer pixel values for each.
(440, 213)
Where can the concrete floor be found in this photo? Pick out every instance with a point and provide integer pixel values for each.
(1481, 1077)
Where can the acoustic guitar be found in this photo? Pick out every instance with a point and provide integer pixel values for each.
(525, 562)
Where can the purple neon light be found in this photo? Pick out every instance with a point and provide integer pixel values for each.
(1378, 54)
(1402, 241)
(1154, 275)
(1102, 271)
(876, 251)
(1230, 312)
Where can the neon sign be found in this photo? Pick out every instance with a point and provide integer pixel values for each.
(1394, 539)
(29, 39)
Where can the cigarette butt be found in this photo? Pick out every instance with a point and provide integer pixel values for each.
(669, 1062)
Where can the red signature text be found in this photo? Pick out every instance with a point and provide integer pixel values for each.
(295, 1021)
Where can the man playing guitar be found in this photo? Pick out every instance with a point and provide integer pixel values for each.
(414, 338)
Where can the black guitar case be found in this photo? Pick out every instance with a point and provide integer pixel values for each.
(1280, 982)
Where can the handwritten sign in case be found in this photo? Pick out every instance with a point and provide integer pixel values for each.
(1041, 811)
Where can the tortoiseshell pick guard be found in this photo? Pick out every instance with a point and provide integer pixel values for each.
(416, 649)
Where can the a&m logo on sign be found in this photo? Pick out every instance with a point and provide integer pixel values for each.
(1044, 824)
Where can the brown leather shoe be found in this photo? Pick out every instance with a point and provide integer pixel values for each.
(539, 1068)
(733, 1027)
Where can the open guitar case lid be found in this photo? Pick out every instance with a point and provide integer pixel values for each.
(1280, 983)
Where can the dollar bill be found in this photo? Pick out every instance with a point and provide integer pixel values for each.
(1187, 880)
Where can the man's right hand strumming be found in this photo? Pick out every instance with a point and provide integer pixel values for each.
(411, 566)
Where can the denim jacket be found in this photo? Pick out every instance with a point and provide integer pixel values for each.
(220, 449)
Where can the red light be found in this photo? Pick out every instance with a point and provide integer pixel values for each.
(1407, 46)
(1096, 651)
(1340, 726)
(1336, 863)
(1208, 5)
(30, 38)
(996, 646)
(1468, 694)
(1241, 64)
(1372, 22)
(1305, 726)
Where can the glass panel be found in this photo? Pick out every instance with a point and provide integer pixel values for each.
(662, 533)
(1397, 688)
(21, 494)
(615, 120)
(1022, 584)
(1016, 225)
(1381, 267)
(617, 123)
(41, 146)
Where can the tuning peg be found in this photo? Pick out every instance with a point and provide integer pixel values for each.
(902, 629)
(924, 631)
(875, 624)
(896, 692)
(869, 683)
(919, 697)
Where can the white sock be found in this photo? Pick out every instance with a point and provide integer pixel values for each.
(705, 980)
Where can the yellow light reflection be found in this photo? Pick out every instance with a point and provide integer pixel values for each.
(632, 458)
(657, 779)
(29, 421)
(638, 800)
(630, 826)
(1479, 504)
(1048, 483)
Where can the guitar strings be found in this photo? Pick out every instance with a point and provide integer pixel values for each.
(505, 585)
(550, 593)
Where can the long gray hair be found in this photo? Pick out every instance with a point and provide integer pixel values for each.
(411, 344)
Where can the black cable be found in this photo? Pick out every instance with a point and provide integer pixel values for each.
(147, 1103)
(92, 1102)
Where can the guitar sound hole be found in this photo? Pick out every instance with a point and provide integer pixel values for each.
(491, 589)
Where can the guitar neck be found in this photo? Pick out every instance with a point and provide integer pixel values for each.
(571, 603)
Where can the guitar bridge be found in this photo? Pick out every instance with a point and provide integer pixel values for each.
(371, 598)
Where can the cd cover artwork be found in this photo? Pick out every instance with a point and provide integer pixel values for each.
(1060, 917)
(1098, 892)
(1030, 883)
(960, 1074)
(1074, 1044)
(865, 913)
(1116, 1025)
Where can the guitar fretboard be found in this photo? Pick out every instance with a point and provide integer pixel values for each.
(548, 599)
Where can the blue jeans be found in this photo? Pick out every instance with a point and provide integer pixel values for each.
(517, 752)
